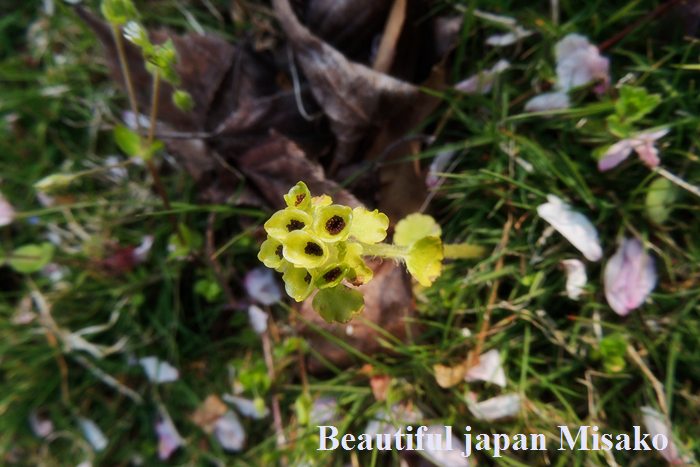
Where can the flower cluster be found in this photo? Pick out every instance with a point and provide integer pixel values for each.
(317, 245)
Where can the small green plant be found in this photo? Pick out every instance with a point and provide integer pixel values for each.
(317, 245)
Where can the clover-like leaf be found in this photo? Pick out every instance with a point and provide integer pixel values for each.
(298, 283)
(298, 197)
(31, 258)
(183, 100)
(283, 222)
(424, 260)
(332, 223)
(338, 304)
(330, 276)
(270, 253)
(414, 227)
(659, 200)
(368, 226)
(118, 12)
(304, 250)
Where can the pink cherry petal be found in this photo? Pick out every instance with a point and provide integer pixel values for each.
(629, 277)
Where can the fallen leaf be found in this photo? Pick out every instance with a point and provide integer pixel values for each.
(211, 410)
(448, 376)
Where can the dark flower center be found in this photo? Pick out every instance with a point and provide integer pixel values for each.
(295, 224)
(335, 225)
(332, 275)
(307, 278)
(278, 251)
(299, 199)
(313, 249)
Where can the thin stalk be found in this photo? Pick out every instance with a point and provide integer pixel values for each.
(384, 250)
(124, 65)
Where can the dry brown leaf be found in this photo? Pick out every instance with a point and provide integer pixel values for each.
(388, 304)
(448, 376)
(211, 410)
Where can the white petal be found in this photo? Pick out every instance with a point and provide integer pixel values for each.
(629, 277)
(247, 407)
(655, 423)
(615, 154)
(323, 410)
(575, 277)
(439, 164)
(548, 101)
(7, 212)
(570, 44)
(41, 427)
(159, 371)
(482, 81)
(261, 285)
(168, 437)
(509, 38)
(257, 318)
(141, 252)
(93, 434)
(489, 369)
(440, 455)
(229, 432)
(575, 227)
(507, 405)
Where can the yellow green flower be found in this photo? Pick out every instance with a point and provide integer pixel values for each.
(414, 227)
(332, 223)
(368, 226)
(320, 201)
(424, 260)
(298, 283)
(359, 273)
(283, 222)
(271, 253)
(304, 250)
(298, 197)
(330, 276)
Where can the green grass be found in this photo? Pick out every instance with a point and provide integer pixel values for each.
(56, 108)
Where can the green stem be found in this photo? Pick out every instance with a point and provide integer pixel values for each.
(116, 33)
(463, 251)
(384, 250)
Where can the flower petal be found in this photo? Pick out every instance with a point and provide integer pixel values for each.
(229, 432)
(7, 212)
(93, 434)
(257, 318)
(575, 227)
(629, 277)
(159, 371)
(169, 440)
(575, 277)
(548, 101)
(440, 455)
(615, 154)
(505, 406)
(414, 227)
(503, 40)
(482, 82)
(261, 285)
(489, 369)
(579, 62)
(656, 424)
(368, 226)
(254, 409)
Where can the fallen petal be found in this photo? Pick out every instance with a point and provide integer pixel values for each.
(438, 166)
(257, 318)
(645, 147)
(505, 406)
(575, 227)
(323, 410)
(169, 440)
(93, 434)
(248, 408)
(629, 277)
(41, 427)
(141, 252)
(440, 455)
(548, 101)
(262, 287)
(656, 423)
(229, 432)
(482, 82)
(509, 38)
(7, 212)
(488, 369)
(575, 277)
(579, 63)
(159, 371)
(615, 154)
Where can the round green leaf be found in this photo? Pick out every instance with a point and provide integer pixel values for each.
(339, 304)
(31, 258)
